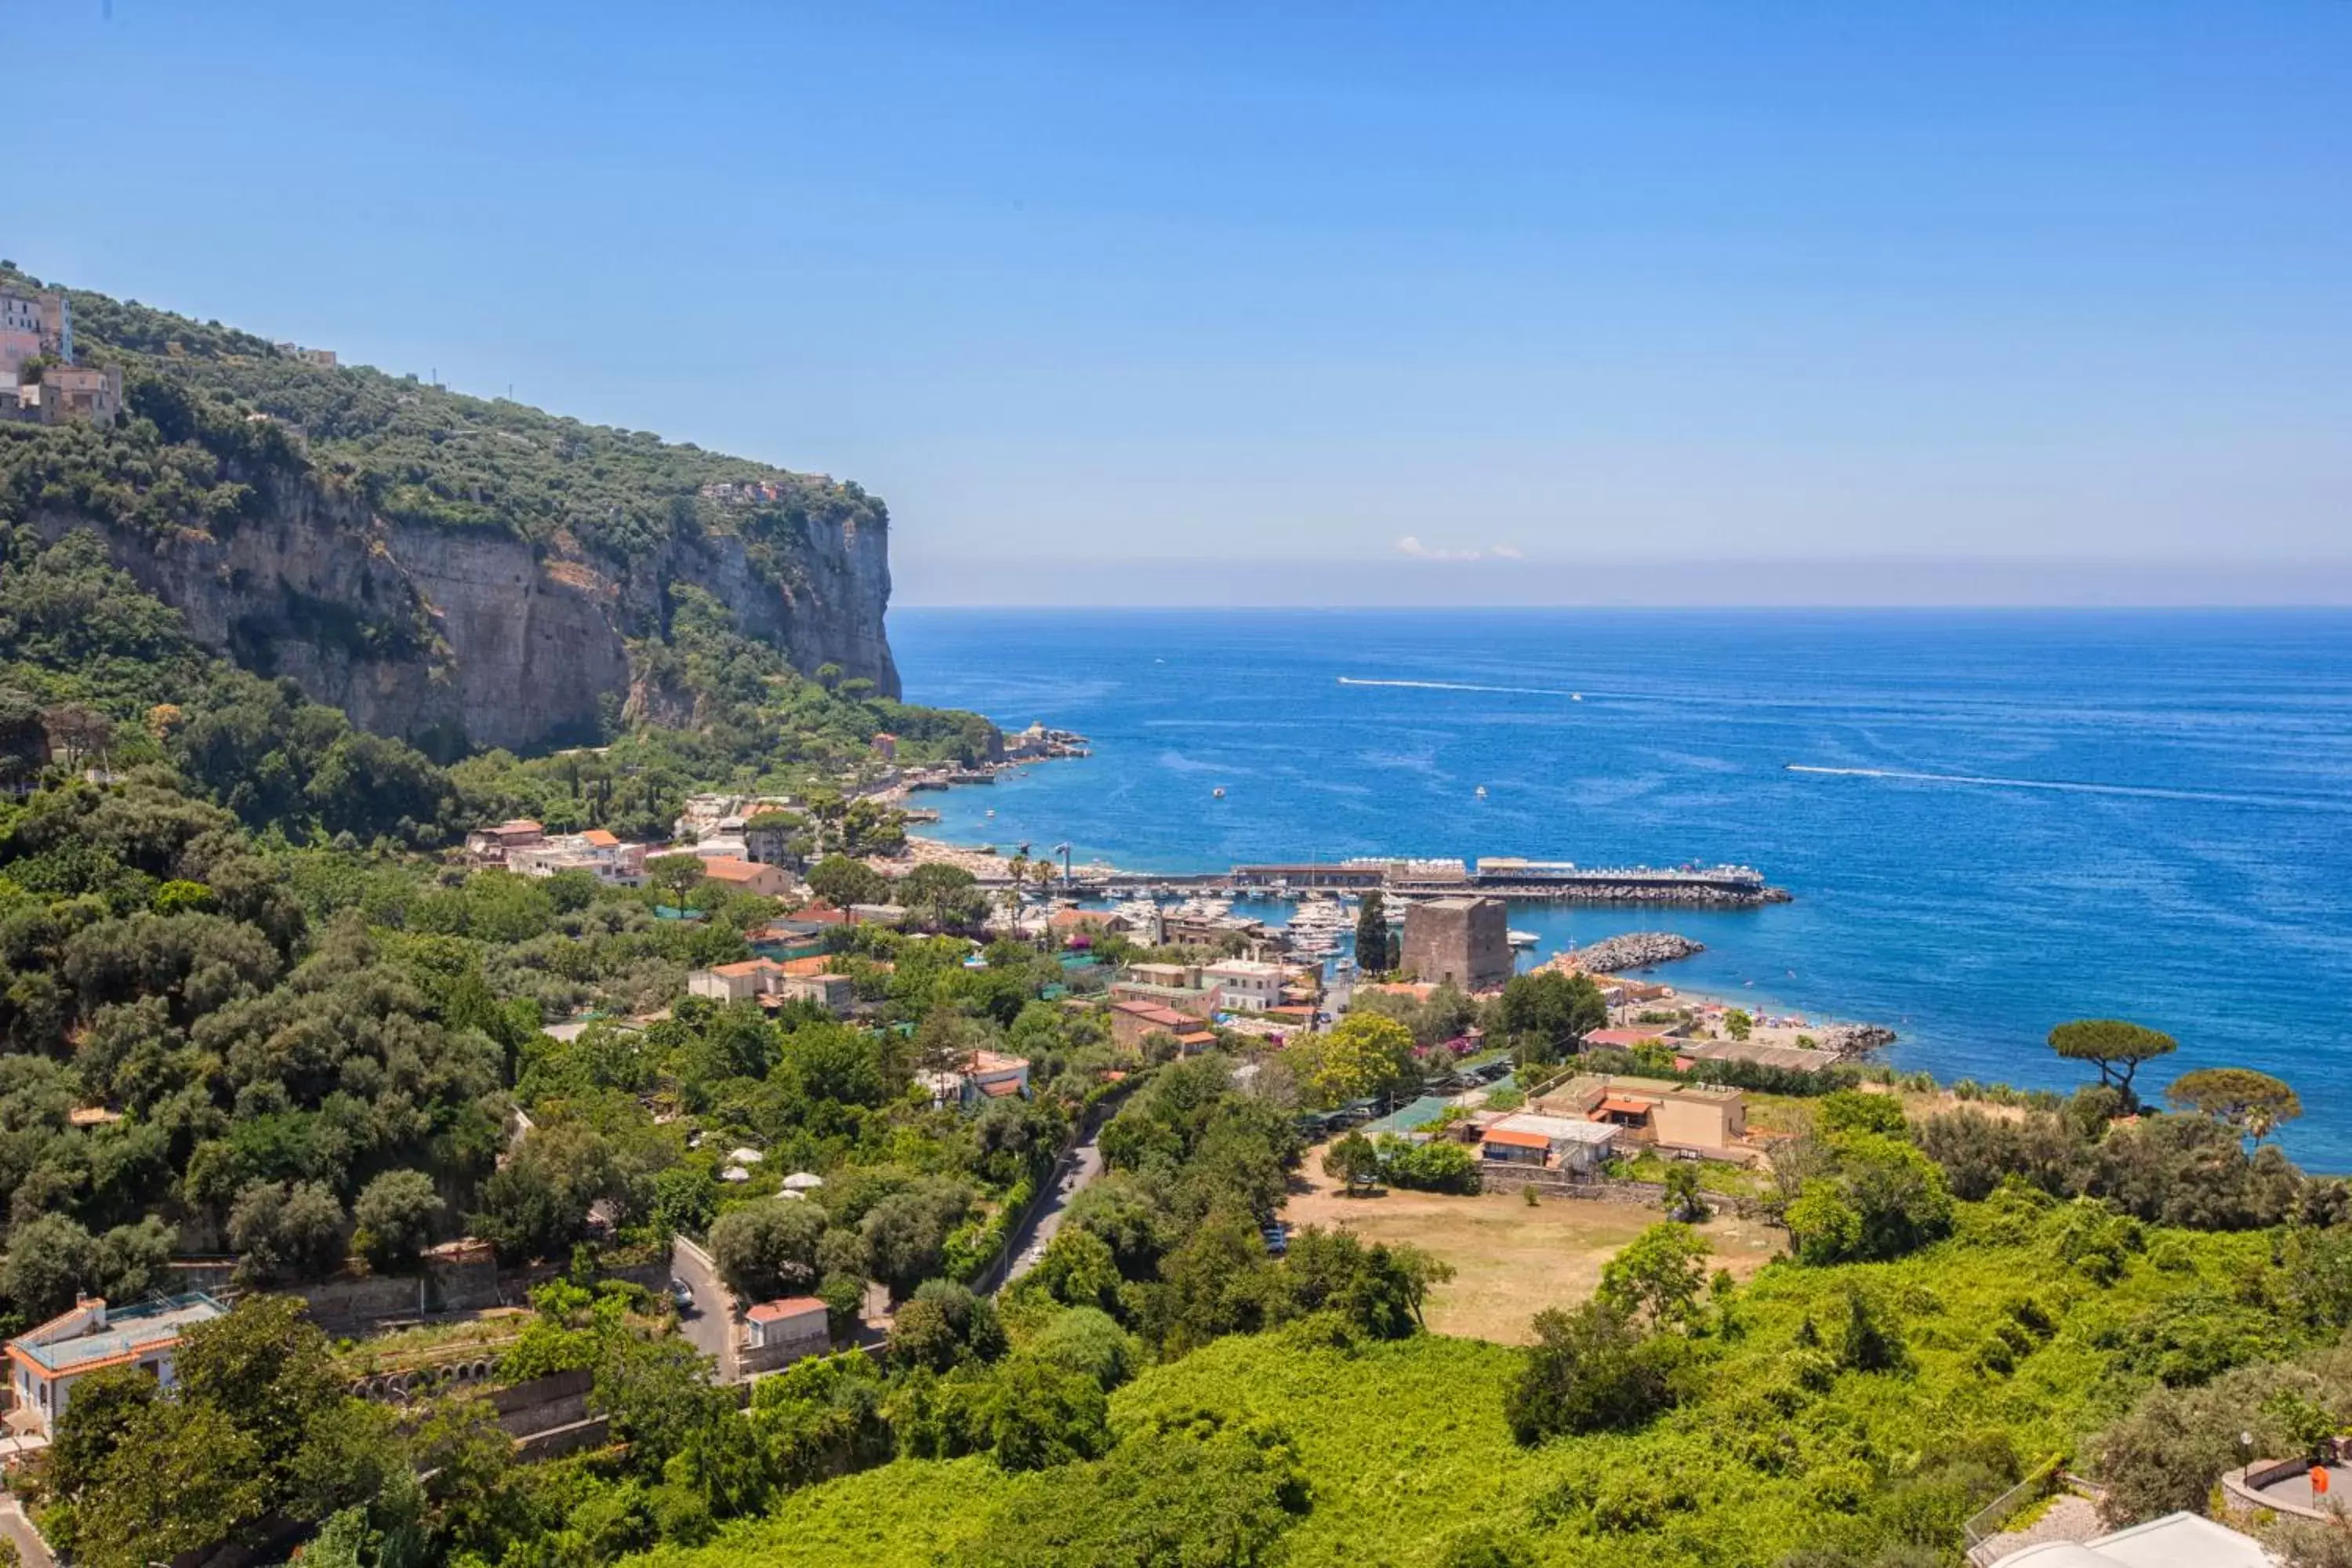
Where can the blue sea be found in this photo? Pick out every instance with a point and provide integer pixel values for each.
(2022, 817)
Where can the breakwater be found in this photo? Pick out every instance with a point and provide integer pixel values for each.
(1633, 950)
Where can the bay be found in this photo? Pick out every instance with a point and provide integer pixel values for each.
(2018, 818)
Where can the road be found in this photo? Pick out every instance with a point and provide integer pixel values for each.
(709, 1324)
(31, 1550)
(1072, 1177)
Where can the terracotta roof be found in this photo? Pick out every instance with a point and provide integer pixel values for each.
(1623, 1036)
(723, 868)
(790, 1307)
(600, 838)
(1516, 1139)
(749, 966)
(1625, 1105)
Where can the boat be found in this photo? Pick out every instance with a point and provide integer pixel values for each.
(1576, 697)
(1521, 938)
(1217, 794)
(1482, 792)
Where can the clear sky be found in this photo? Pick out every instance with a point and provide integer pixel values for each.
(1836, 290)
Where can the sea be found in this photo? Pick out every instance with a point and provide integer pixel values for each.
(1990, 821)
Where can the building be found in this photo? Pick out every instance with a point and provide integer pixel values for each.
(32, 325)
(1182, 986)
(1087, 922)
(984, 1075)
(1702, 1118)
(1553, 1142)
(778, 1333)
(886, 745)
(318, 359)
(1463, 941)
(597, 852)
(1629, 1039)
(1245, 984)
(69, 392)
(765, 980)
(46, 1361)
(1791, 1059)
(1135, 1020)
(2175, 1541)
(491, 846)
(749, 876)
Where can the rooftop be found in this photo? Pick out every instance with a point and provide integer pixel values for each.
(724, 868)
(789, 1306)
(1557, 1129)
(135, 1329)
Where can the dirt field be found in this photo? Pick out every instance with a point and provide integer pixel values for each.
(1510, 1261)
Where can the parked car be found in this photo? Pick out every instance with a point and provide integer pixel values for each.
(682, 1294)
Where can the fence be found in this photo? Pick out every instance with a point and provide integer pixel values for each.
(1987, 1521)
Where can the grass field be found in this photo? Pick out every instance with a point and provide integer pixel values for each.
(1510, 1261)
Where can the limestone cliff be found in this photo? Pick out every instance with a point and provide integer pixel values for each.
(456, 635)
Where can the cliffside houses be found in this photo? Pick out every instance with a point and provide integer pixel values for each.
(39, 381)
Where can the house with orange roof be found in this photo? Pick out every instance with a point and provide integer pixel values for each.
(45, 1363)
(748, 876)
(778, 1333)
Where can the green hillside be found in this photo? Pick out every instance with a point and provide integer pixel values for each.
(2012, 1354)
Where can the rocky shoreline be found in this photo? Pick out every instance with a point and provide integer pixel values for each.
(1633, 950)
(1849, 1042)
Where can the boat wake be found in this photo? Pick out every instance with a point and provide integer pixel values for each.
(1461, 686)
(2066, 786)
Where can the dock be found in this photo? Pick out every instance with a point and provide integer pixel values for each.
(1498, 877)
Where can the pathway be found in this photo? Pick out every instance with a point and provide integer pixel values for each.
(709, 1324)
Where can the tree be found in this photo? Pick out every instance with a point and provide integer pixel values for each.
(676, 875)
(1658, 1278)
(2116, 1048)
(183, 1479)
(266, 1365)
(1354, 1161)
(2251, 1104)
(1372, 934)
(765, 1250)
(287, 1230)
(1546, 1015)
(1684, 1200)
(1363, 1054)
(1851, 1111)
(841, 882)
(397, 1213)
(1590, 1370)
(1739, 1024)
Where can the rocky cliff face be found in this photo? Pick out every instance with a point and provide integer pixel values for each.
(432, 633)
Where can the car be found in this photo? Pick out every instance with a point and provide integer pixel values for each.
(682, 1293)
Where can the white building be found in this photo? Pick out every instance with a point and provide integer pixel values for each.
(46, 1361)
(595, 851)
(2175, 1541)
(1245, 984)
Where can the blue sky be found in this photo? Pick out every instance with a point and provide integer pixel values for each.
(1665, 286)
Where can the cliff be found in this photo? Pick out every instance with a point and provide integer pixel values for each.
(449, 637)
(447, 569)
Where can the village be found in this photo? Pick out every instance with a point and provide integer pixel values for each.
(1197, 977)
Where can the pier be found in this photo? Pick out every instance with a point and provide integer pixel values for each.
(1502, 878)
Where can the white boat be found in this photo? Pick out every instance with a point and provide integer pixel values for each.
(1522, 938)
(1482, 792)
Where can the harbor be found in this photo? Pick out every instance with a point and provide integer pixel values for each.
(1509, 878)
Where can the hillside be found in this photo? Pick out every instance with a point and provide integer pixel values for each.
(448, 569)
(1778, 1454)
